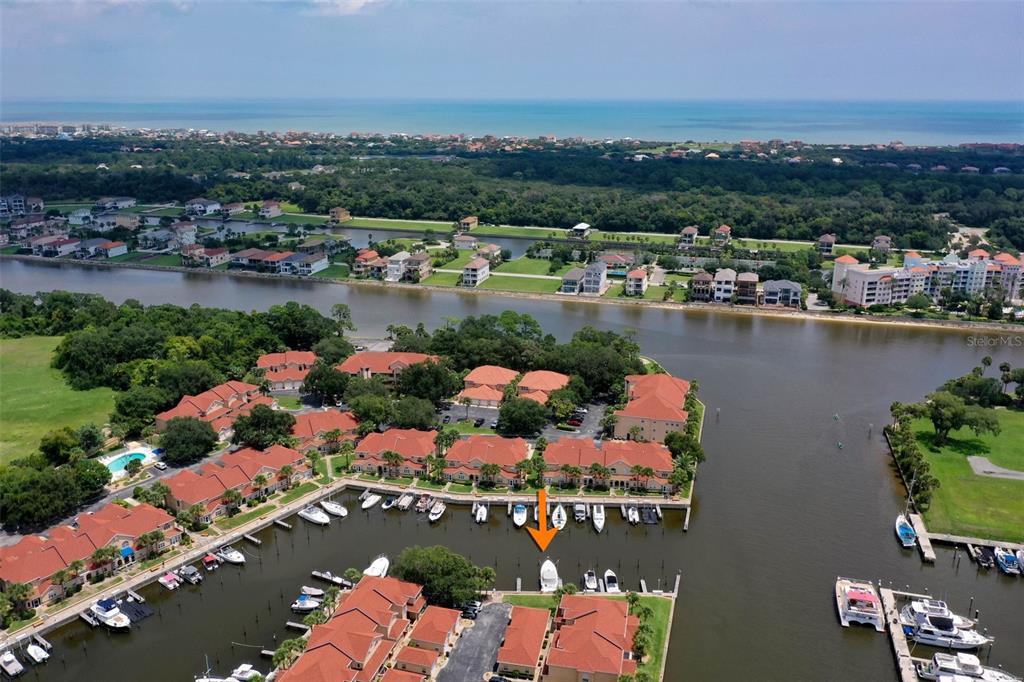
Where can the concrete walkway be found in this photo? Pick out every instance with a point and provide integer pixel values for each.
(983, 467)
(499, 273)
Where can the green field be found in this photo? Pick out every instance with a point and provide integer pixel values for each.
(971, 505)
(67, 208)
(547, 286)
(8, 250)
(466, 427)
(662, 609)
(335, 271)
(241, 518)
(529, 266)
(163, 259)
(443, 279)
(291, 219)
(460, 262)
(297, 492)
(537, 601)
(34, 398)
(289, 402)
(409, 226)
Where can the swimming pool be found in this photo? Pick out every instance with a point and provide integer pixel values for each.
(118, 465)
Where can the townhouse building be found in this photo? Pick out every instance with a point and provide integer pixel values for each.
(656, 406)
(476, 272)
(385, 364)
(414, 446)
(485, 385)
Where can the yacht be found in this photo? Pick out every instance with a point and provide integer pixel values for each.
(107, 613)
(558, 517)
(230, 555)
(371, 500)
(334, 509)
(389, 502)
(936, 607)
(611, 581)
(305, 604)
(378, 568)
(1007, 561)
(423, 504)
(597, 517)
(315, 592)
(857, 602)
(938, 631)
(481, 513)
(37, 654)
(314, 515)
(190, 574)
(579, 512)
(964, 665)
(519, 515)
(437, 511)
(548, 577)
(10, 664)
(590, 580)
(905, 531)
(245, 672)
(633, 514)
(405, 501)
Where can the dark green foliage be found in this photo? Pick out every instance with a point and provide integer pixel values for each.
(433, 381)
(325, 383)
(521, 417)
(333, 349)
(411, 412)
(448, 579)
(263, 427)
(187, 440)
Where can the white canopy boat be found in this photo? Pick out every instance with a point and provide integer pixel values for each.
(314, 515)
(334, 509)
(437, 511)
(230, 555)
(939, 631)
(481, 513)
(389, 503)
(579, 512)
(597, 517)
(37, 654)
(857, 602)
(548, 576)
(519, 515)
(315, 592)
(936, 607)
(405, 501)
(590, 580)
(305, 604)
(245, 672)
(611, 581)
(10, 664)
(963, 665)
(107, 613)
(558, 517)
(378, 568)
(169, 580)
(371, 500)
(633, 514)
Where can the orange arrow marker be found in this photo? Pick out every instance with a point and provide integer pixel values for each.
(542, 535)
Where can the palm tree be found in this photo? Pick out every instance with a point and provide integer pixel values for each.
(571, 472)
(61, 578)
(313, 457)
(285, 474)
(435, 467)
(444, 439)
(641, 473)
(260, 483)
(600, 473)
(19, 593)
(232, 498)
(489, 472)
(333, 438)
(634, 433)
(523, 469)
(153, 538)
(394, 461)
(104, 556)
(465, 402)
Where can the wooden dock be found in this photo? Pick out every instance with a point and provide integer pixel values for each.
(948, 539)
(282, 524)
(254, 540)
(302, 627)
(266, 653)
(924, 543)
(900, 648)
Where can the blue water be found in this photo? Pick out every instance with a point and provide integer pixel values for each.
(121, 462)
(819, 122)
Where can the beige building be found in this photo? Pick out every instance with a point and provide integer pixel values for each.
(656, 407)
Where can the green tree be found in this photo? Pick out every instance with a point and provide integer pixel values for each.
(948, 412)
(414, 413)
(600, 474)
(187, 440)
(521, 417)
(57, 445)
(372, 410)
(325, 383)
(444, 439)
(133, 467)
(342, 315)
(489, 472)
(571, 473)
(232, 499)
(433, 381)
(394, 461)
(448, 579)
(103, 557)
(90, 438)
(263, 427)
(333, 350)
(285, 474)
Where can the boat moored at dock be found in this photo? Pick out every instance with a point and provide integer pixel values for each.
(334, 509)
(937, 607)
(857, 602)
(314, 515)
(230, 555)
(36, 654)
(905, 532)
(558, 517)
(109, 615)
(939, 631)
(961, 666)
(519, 515)
(579, 512)
(480, 515)
(305, 604)
(315, 592)
(329, 577)
(437, 511)
(597, 517)
(611, 581)
(169, 580)
(406, 501)
(1007, 561)
(590, 580)
(190, 574)
(10, 664)
(423, 504)
(390, 502)
(548, 577)
(378, 568)
(371, 501)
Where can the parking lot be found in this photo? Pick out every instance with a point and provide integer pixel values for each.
(477, 649)
(590, 427)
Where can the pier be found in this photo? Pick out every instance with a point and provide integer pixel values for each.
(282, 524)
(923, 541)
(253, 539)
(292, 625)
(906, 665)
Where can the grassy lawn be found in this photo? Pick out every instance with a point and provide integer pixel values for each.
(289, 219)
(461, 261)
(10, 249)
(512, 231)
(428, 485)
(169, 212)
(537, 601)
(129, 257)
(340, 463)
(460, 488)
(497, 282)
(526, 266)
(289, 207)
(243, 518)
(289, 402)
(466, 427)
(407, 225)
(297, 492)
(610, 492)
(967, 504)
(35, 399)
(163, 259)
(335, 271)
(662, 609)
(443, 279)
(398, 480)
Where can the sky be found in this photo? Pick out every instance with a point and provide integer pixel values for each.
(138, 50)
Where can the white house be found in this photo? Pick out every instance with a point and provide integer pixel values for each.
(475, 272)
(396, 266)
(201, 206)
(725, 283)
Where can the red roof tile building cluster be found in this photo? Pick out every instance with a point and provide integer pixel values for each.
(540, 384)
(592, 635)
(286, 371)
(385, 364)
(311, 428)
(415, 446)
(219, 406)
(485, 385)
(466, 457)
(524, 641)
(656, 407)
(619, 456)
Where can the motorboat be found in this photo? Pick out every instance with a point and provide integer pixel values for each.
(423, 504)
(405, 501)
(108, 614)
(536, 512)
(329, 577)
(939, 631)
(371, 500)
(905, 531)
(590, 580)
(245, 672)
(519, 515)
(190, 574)
(378, 568)
(10, 664)
(579, 512)
(37, 654)
(211, 563)
(964, 665)
(937, 607)
(558, 517)
(633, 514)
(1007, 561)
(305, 604)
(548, 576)
(333, 508)
(314, 515)
(437, 511)
(230, 555)
(481, 513)
(1020, 558)
(985, 557)
(168, 580)
(611, 581)
(390, 502)
(597, 517)
(857, 602)
(315, 592)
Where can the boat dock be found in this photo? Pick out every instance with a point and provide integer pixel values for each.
(136, 596)
(292, 625)
(906, 665)
(282, 524)
(924, 543)
(38, 639)
(88, 618)
(253, 539)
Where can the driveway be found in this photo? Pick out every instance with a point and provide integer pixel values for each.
(477, 649)
(590, 428)
(983, 466)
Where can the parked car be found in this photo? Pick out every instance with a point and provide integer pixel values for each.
(494, 424)
(478, 422)
(162, 466)
(446, 419)
(574, 421)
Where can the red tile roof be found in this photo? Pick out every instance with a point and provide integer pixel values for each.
(491, 375)
(594, 635)
(396, 675)
(406, 442)
(505, 452)
(978, 253)
(524, 637)
(435, 625)
(314, 424)
(847, 259)
(582, 452)
(302, 358)
(656, 396)
(381, 362)
(536, 396)
(200, 405)
(286, 374)
(488, 393)
(1006, 259)
(542, 380)
(639, 273)
(420, 657)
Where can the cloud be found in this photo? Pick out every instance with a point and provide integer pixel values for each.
(341, 8)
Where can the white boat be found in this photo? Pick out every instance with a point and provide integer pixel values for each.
(590, 580)
(939, 632)
(936, 607)
(597, 517)
(1007, 561)
(107, 613)
(371, 500)
(245, 672)
(190, 574)
(378, 568)
(905, 531)
(858, 602)
(633, 514)
(548, 576)
(37, 654)
(334, 509)
(611, 581)
(405, 501)
(312, 591)
(519, 515)
(168, 580)
(314, 515)
(481, 513)
(11, 666)
(389, 503)
(1020, 558)
(230, 555)
(966, 666)
(305, 604)
(437, 511)
(423, 504)
(579, 512)
(558, 517)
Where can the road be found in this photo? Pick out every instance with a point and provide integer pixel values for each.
(477, 649)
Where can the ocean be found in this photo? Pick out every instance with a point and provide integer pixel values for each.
(931, 123)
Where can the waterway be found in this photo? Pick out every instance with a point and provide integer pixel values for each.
(779, 510)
